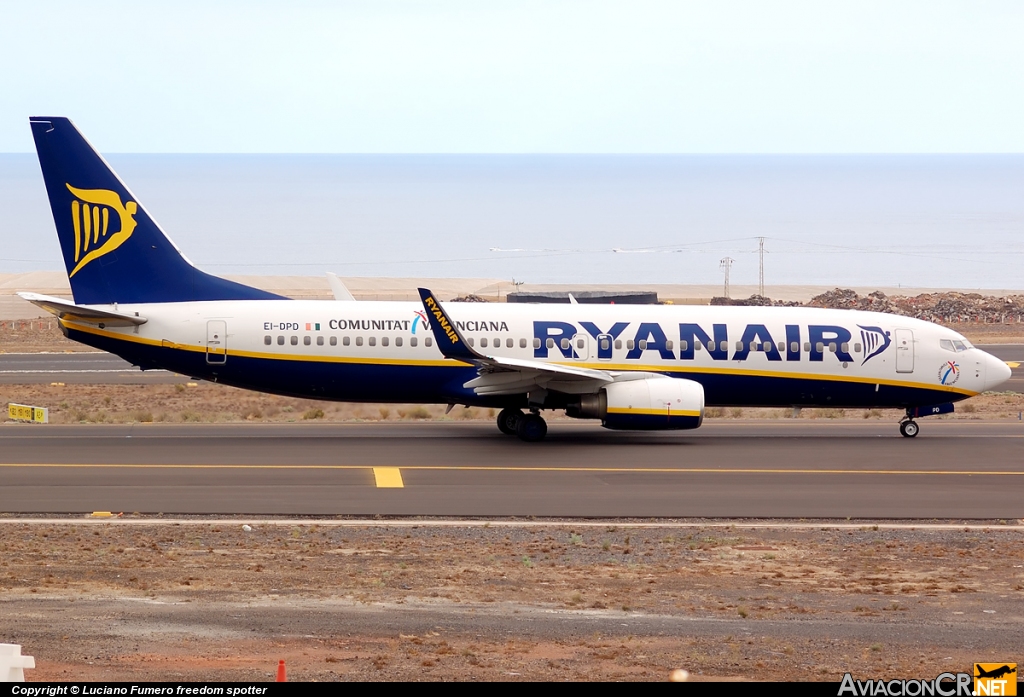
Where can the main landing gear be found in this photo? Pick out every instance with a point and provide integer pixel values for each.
(529, 427)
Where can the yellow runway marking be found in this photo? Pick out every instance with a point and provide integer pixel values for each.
(388, 478)
(395, 472)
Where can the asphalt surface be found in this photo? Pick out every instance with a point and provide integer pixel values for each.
(778, 469)
(78, 368)
(106, 368)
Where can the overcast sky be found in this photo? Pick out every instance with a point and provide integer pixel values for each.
(636, 76)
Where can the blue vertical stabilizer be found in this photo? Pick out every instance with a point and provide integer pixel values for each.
(113, 251)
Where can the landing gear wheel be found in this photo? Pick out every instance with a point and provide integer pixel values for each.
(909, 429)
(532, 428)
(508, 421)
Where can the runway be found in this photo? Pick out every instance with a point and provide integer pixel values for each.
(78, 368)
(106, 368)
(773, 468)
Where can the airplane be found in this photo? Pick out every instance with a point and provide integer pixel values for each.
(632, 367)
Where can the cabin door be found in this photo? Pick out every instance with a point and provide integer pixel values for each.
(904, 351)
(216, 342)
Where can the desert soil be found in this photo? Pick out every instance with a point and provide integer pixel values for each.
(207, 600)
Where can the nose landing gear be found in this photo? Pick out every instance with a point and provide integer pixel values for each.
(909, 428)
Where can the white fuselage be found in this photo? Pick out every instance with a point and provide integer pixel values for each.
(383, 351)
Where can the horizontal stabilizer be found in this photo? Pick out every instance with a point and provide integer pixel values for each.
(65, 309)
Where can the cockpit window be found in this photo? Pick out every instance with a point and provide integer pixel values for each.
(955, 345)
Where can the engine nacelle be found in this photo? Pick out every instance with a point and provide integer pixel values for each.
(651, 404)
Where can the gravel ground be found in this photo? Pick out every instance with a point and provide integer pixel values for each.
(417, 600)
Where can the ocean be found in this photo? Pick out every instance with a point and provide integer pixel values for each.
(880, 220)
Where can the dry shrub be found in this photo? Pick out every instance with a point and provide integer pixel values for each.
(419, 412)
(313, 414)
(385, 413)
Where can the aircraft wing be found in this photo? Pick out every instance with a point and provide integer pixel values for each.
(499, 375)
(65, 309)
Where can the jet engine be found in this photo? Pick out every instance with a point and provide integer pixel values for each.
(650, 404)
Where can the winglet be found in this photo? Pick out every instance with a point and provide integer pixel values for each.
(446, 334)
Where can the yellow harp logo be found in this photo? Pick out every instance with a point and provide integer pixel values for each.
(90, 214)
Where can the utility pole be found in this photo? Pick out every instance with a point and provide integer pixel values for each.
(725, 265)
(760, 272)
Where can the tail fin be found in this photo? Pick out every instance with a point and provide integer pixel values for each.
(114, 252)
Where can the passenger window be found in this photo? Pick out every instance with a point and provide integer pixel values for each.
(398, 341)
(668, 344)
(413, 341)
(483, 342)
(550, 343)
(295, 341)
(428, 342)
(345, 341)
(579, 343)
(319, 341)
(845, 347)
(739, 345)
(629, 344)
(359, 341)
(782, 346)
(509, 342)
(807, 347)
(724, 345)
(856, 348)
(307, 340)
(753, 346)
(522, 343)
(280, 341)
(819, 347)
(372, 341)
(470, 340)
(383, 341)
(497, 343)
(794, 347)
(683, 345)
(832, 346)
(643, 344)
(564, 343)
(334, 341)
(267, 340)
(605, 344)
(536, 343)
(618, 344)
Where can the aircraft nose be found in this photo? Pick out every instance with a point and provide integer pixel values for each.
(996, 372)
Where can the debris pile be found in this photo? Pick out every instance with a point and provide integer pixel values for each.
(951, 307)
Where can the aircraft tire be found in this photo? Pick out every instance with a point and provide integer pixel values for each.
(508, 421)
(532, 428)
(909, 429)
